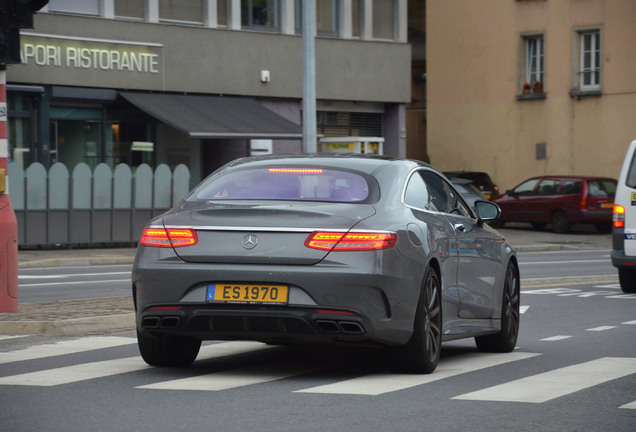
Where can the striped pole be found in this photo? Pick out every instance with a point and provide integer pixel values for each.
(8, 222)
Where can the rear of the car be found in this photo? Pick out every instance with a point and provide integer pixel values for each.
(596, 202)
(276, 253)
(624, 222)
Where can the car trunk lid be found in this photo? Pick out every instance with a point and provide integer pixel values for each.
(261, 233)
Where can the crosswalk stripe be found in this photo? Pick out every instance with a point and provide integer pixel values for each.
(631, 405)
(86, 371)
(556, 383)
(71, 374)
(555, 338)
(376, 384)
(601, 328)
(236, 378)
(65, 347)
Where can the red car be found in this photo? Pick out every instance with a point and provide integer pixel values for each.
(560, 201)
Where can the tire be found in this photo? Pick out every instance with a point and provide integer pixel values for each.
(421, 353)
(627, 279)
(168, 350)
(506, 339)
(560, 223)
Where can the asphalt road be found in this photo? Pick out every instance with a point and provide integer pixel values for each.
(574, 370)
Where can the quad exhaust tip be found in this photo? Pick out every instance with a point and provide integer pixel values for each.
(349, 327)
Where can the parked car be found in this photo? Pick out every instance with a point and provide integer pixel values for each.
(560, 201)
(468, 191)
(481, 180)
(624, 231)
(334, 249)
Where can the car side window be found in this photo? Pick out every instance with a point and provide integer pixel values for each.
(525, 188)
(417, 194)
(548, 187)
(572, 187)
(444, 197)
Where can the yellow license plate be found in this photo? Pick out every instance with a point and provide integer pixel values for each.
(247, 294)
(607, 205)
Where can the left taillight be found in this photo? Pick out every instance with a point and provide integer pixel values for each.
(171, 237)
(618, 216)
(351, 241)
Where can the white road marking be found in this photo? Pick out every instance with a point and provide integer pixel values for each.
(235, 378)
(556, 383)
(65, 347)
(631, 405)
(600, 329)
(555, 338)
(523, 309)
(629, 322)
(87, 371)
(376, 384)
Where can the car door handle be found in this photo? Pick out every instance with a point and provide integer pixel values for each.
(459, 227)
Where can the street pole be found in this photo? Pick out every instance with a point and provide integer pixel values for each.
(309, 76)
(8, 222)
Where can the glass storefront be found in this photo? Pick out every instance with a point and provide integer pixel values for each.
(20, 128)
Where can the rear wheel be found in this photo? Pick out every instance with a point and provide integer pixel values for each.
(421, 353)
(627, 278)
(560, 223)
(506, 339)
(168, 350)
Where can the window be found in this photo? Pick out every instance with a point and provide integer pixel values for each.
(590, 60)
(428, 191)
(338, 123)
(326, 16)
(181, 10)
(383, 19)
(129, 8)
(259, 13)
(286, 183)
(534, 64)
(548, 187)
(88, 7)
(221, 13)
(525, 188)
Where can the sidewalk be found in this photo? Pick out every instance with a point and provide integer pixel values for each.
(89, 316)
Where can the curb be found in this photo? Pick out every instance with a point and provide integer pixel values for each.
(70, 327)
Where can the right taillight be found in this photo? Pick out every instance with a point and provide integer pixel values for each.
(618, 216)
(351, 241)
(171, 237)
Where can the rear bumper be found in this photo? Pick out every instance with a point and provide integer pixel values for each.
(274, 325)
(619, 259)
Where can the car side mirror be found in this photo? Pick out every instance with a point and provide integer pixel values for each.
(510, 193)
(487, 211)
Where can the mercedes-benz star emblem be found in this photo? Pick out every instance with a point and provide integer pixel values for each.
(250, 241)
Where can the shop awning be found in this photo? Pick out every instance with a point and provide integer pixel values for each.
(215, 117)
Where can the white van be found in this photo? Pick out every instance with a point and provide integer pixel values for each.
(624, 231)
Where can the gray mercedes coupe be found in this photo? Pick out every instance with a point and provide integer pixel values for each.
(312, 249)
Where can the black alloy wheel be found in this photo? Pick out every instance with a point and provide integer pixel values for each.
(506, 339)
(168, 350)
(421, 353)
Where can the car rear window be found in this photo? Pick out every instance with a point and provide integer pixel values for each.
(601, 188)
(284, 183)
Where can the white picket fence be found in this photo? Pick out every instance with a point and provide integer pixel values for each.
(88, 207)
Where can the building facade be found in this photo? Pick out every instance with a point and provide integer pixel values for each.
(519, 88)
(202, 82)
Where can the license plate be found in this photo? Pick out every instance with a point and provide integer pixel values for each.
(247, 294)
(607, 205)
